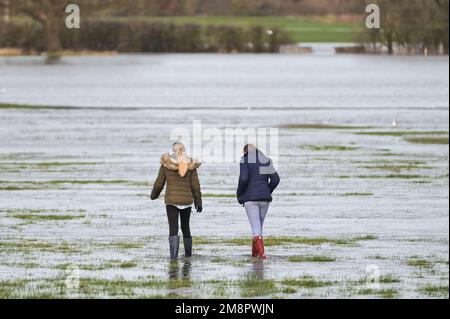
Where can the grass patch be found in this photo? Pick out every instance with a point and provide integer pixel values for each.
(219, 260)
(252, 286)
(127, 265)
(436, 291)
(358, 194)
(324, 127)
(219, 195)
(284, 240)
(418, 262)
(306, 282)
(33, 246)
(384, 293)
(311, 259)
(203, 241)
(389, 279)
(301, 29)
(428, 140)
(393, 176)
(46, 165)
(339, 148)
(366, 237)
(397, 168)
(403, 133)
(34, 217)
(117, 287)
(289, 290)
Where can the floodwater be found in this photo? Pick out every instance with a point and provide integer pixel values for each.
(353, 203)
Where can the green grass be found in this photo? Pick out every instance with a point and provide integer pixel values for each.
(46, 217)
(428, 140)
(34, 246)
(127, 264)
(358, 194)
(47, 165)
(284, 240)
(253, 286)
(418, 262)
(219, 195)
(301, 29)
(38, 185)
(384, 293)
(306, 282)
(289, 290)
(324, 127)
(436, 291)
(339, 148)
(397, 168)
(388, 279)
(393, 176)
(402, 133)
(25, 106)
(311, 259)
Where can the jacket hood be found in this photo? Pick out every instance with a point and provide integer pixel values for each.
(170, 162)
(256, 156)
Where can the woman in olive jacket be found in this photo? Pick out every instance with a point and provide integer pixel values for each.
(183, 188)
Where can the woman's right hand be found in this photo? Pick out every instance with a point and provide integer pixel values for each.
(199, 209)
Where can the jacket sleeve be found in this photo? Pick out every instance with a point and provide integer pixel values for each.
(274, 180)
(158, 186)
(196, 189)
(243, 178)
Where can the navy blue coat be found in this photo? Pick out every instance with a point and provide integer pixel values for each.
(257, 179)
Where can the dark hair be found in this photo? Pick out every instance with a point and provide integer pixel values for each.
(249, 148)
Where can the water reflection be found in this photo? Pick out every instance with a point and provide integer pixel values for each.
(254, 283)
(257, 270)
(53, 59)
(175, 273)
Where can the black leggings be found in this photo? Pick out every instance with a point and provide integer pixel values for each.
(172, 215)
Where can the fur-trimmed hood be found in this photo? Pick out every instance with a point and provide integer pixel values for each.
(170, 162)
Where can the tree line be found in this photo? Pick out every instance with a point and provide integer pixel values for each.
(408, 23)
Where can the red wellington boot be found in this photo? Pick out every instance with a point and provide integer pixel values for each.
(260, 247)
(254, 248)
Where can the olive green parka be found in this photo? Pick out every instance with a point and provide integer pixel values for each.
(180, 191)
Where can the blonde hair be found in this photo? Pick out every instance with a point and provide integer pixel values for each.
(182, 159)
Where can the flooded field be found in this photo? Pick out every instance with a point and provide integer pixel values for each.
(359, 199)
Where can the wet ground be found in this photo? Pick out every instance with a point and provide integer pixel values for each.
(359, 200)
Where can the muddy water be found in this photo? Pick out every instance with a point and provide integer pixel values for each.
(94, 169)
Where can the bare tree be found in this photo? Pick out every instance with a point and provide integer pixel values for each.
(50, 13)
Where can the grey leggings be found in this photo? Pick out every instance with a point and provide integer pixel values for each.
(256, 212)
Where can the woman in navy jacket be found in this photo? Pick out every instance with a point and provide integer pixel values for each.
(257, 181)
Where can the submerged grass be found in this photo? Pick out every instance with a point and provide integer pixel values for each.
(339, 148)
(81, 182)
(311, 259)
(358, 194)
(325, 127)
(252, 286)
(428, 140)
(436, 291)
(397, 168)
(211, 195)
(384, 293)
(393, 176)
(284, 240)
(34, 217)
(306, 281)
(419, 262)
(402, 133)
(33, 246)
